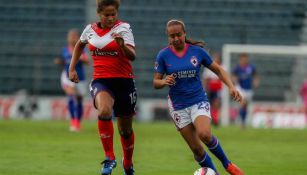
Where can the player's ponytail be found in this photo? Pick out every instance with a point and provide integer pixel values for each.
(197, 43)
(187, 40)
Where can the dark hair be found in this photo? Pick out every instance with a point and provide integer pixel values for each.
(101, 4)
(187, 40)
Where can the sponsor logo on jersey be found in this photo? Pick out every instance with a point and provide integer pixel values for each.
(185, 74)
(90, 36)
(99, 52)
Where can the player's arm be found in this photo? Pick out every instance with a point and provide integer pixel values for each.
(221, 73)
(128, 50)
(159, 82)
(73, 76)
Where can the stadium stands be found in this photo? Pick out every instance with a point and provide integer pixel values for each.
(33, 34)
(218, 22)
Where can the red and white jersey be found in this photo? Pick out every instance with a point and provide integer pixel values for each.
(109, 60)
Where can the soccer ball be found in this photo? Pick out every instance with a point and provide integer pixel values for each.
(205, 171)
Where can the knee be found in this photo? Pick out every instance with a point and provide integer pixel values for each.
(104, 113)
(125, 133)
(205, 136)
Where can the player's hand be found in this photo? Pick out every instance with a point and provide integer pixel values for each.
(169, 80)
(236, 96)
(73, 76)
(118, 39)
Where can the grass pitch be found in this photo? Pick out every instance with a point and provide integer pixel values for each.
(48, 148)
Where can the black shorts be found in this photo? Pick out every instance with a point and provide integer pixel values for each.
(121, 89)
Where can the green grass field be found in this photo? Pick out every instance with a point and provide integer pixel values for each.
(47, 148)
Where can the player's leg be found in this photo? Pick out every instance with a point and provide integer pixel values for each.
(79, 111)
(71, 105)
(190, 136)
(243, 114)
(127, 140)
(70, 91)
(104, 101)
(124, 110)
(202, 122)
(247, 96)
(214, 102)
(81, 91)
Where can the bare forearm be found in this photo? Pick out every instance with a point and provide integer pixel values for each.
(158, 84)
(129, 52)
(225, 78)
(76, 54)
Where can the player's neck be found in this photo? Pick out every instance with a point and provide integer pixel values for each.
(179, 51)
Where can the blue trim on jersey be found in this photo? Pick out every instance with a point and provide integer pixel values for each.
(66, 57)
(188, 89)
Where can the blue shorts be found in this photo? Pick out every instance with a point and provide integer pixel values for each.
(122, 90)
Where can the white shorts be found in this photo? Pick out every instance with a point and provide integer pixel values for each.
(188, 115)
(81, 87)
(246, 94)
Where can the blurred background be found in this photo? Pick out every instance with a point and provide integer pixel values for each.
(33, 32)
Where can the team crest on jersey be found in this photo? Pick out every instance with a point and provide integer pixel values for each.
(194, 61)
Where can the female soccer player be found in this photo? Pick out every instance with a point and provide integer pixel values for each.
(188, 104)
(111, 43)
(246, 78)
(73, 91)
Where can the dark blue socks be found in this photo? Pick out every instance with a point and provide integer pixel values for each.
(215, 147)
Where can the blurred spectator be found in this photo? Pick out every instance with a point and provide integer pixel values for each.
(213, 86)
(73, 91)
(246, 79)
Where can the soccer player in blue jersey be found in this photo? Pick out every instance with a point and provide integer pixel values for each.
(73, 91)
(188, 103)
(246, 78)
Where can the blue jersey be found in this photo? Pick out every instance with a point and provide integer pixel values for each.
(188, 89)
(66, 55)
(245, 76)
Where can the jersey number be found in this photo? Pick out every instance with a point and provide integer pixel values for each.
(133, 97)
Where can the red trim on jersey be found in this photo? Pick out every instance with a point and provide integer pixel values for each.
(100, 31)
(176, 53)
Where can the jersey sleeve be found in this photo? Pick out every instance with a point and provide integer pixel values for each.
(85, 34)
(160, 64)
(126, 32)
(206, 58)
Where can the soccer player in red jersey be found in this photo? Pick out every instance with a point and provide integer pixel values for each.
(111, 44)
